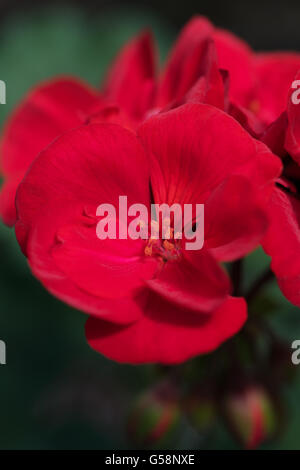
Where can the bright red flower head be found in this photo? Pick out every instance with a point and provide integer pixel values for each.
(196, 71)
(131, 93)
(147, 305)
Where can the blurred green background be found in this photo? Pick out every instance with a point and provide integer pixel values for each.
(55, 392)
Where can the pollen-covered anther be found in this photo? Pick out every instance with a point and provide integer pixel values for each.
(166, 248)
(148, 250)
(168, 245)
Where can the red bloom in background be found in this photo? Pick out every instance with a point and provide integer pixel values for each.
(274, 73)
(129, 95)
(259, 83)
(194, 72)
(163, 305)
(282, 241)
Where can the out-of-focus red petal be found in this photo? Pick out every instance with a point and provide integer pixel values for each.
(184, 64)
(210, 88)
(282, 242)
(262, 170)
(247, 119)
(130, 82)
(292, 136)
(274, 135)
(275, 73)
(236, 56)
(7, 200)
(113, 115)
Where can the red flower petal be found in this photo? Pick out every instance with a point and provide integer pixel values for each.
(104, 268)
(292, 137)
(274, 135)
(44, 267)
(7, 200)
(167, 334)
(49, 110)
(130, 81)
(275, 73)
(113, 115)
(182, 69)
(234, 220)
(282, 243)
(236, 56)
(194, 147)
(247, 119)
(82, 169)
(262, 170)
(195, 282)
(210, 87)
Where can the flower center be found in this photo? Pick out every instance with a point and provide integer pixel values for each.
(166, 248)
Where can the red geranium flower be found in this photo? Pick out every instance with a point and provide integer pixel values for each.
(163, 305)
(259, 82)
(129, 95)
(264, 101)
(131, 92)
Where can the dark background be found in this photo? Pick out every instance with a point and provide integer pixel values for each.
(265, 24)
(56, 393)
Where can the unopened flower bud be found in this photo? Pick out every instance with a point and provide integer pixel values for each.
(250, 414)
(154, 416)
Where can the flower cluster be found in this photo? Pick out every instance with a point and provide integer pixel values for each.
(216, 127)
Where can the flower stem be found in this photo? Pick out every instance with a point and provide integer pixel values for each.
(237, 276)
(266, 277)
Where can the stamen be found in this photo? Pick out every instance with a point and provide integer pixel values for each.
(165, 249)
